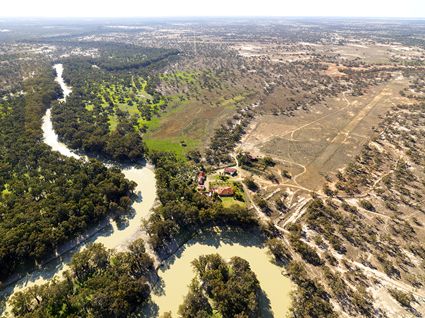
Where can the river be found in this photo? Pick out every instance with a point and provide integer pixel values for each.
(108, 232)
(176, 273)
(144, 177)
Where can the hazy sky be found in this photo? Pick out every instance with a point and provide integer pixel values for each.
(155, 8)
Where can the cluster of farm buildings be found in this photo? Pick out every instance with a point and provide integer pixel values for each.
(222, 191)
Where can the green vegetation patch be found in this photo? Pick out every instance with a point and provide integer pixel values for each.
(180, 76)
(176, 145)
(231, 201)
(4, 110)
(6, 191)
(125, 99)
(224, 289)
(113, 122)
(234, 101)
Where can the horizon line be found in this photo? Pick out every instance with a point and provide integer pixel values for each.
(213, 16)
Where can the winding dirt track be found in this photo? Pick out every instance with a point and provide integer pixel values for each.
(344, 133)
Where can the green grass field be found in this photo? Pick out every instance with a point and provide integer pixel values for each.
(229, 201)
(201, 103)
(232, 102)
(172, 145)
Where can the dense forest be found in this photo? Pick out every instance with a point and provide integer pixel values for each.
(113, 97)
(183, 208)
(232, 288)
(46, 199)
(99, 283)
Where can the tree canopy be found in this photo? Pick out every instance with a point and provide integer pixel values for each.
(232, 287)
(45, 198)
(99, 283)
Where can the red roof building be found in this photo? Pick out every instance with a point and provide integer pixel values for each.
(231, 171)
(224, 191)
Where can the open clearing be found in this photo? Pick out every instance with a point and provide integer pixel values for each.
(312, 144)
(190, 122)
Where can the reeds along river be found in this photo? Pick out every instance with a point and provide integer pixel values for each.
(176, 273)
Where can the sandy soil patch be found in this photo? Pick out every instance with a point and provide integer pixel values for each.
(324, 139)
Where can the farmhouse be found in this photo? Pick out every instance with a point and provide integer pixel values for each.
(231, 171)
(224, 191)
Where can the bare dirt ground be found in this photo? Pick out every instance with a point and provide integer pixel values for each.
(312, 144)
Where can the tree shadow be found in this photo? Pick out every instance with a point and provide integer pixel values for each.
(212, 236)
(123, 220)
(149, 310)
(137, 197)
(158, 287)
(264, 305)
(414, 312)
